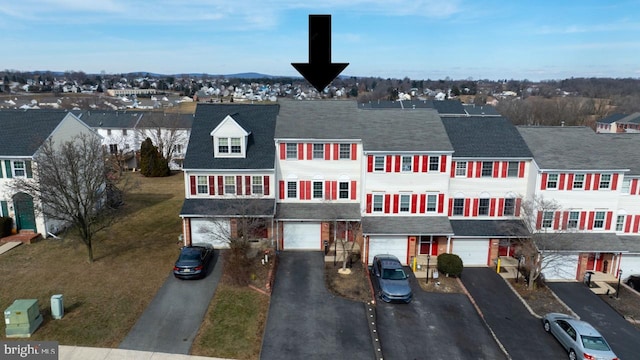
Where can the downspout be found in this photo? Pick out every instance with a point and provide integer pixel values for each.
(448, 244)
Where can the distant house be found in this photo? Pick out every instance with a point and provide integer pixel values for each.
(619, 123)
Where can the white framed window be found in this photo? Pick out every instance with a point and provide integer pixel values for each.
(405, 202)
(236, 146)
(317, 190)
(513, 168)
(229, 185)
(256, 185)
(223, 145)
(605, 181)
(458, 206)
(406, 163)
(461, 169)
(509, 207)
(378, 163)
(483, 207)
(578, 181)
(203, 186)
(572, 222)
(547, 219)
(378, 202)
(113, 149)
(229, 145)
(487, 169)
(292, 151)
(108, 131)
(434, 163)
(177, 148)
(432, 203)
(598, 220)
(620, 223)
(626, 186)
(292, 190)
(124, 131)
(345, 151)
(318, 151)
(552, 181)
(343, 190)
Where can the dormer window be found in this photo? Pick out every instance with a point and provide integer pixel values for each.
(230, 145)
(229, 139)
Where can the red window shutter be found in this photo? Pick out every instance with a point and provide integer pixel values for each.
(565, 220)
(336, 151)
(440, 203)
(423, 203)
(587, 182)
(354, 151)
(369, 201)
(247, 185)
(220, 185)
(636, 223)
(556, 220)
(543, 181)
(397, 163)
(443, 163)
(570, 182)
(387, 164)
(334, 190)
(453, 169)
(265, 184)
(467, 206)
(238, 185)
(450, 206)
(283, 151)
(369, 163)
(281, 195)
(327, 190)
(416, 163)
(425, 163)
(592, 215)
(501, 207)
(309, 151)
(614, 182)
(518, 206)
(192, 182)
(505, 167)
(596, 181)
(561, 184)
(212, 185)
(521, 170)
(414, 203)
(303, 194)
(539, 220)
(308, 189)
(396, 201)
(327, 151)
(492, 207)
(470, 169)
(354, 186)
(627, 224)
(479, 169)
(583, 218)
(300, 151)
(475, 207)
(496, 169)
(634, 187)
(607, 225)
(387, 203)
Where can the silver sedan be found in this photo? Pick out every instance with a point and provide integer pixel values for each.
(579, 338)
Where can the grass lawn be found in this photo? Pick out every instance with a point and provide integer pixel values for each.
(104, 299)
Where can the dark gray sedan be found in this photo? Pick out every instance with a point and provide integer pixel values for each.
(193, 261)
(390, 278)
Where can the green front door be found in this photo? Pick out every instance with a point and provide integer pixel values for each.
(25, 216)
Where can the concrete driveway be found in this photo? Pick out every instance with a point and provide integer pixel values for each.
(306, 321)
(519, 332)
(434, 326)
(623, 337)
(172, 319)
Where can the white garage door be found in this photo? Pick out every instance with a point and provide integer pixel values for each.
(473, 252)
(630, 264)
(302, 236)
(394, 245)
(212, 231)
(560, 267)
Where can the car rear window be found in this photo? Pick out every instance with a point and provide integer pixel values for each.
(190, 255)
(594, 343)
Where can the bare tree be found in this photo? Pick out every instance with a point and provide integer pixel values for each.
(71, 184)
(167, 131)
(344, 231)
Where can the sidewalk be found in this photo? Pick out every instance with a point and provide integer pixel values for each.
(90, 353)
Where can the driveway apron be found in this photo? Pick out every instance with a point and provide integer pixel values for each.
(519, 332)
(623, 337)
(306, 321)
(171, 321)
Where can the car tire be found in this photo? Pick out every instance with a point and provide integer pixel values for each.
(631, 285)
(547, 326)
(572, 355)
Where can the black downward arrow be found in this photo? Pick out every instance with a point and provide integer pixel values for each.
(320, 71)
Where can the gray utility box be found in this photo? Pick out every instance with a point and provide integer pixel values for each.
(57, 306)
(22, 318)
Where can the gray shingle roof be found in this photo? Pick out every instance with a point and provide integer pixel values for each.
(631, 243)
(259, 120)
(166, 120)
(319, 212)
(449, 107)
(485, 137)
(612, 118)
(388, 104)
(489, 228)
(23, 132)
(406, 225)
(481, 110)
(579, 242)
(379, 130)
(228, 207)
(111, 119)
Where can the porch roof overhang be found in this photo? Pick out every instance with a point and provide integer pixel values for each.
(490, 229)
(318, 212)
(406, 225)
(579, 242)
(631, 243)
(228, 208)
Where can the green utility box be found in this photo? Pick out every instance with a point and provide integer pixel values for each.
(22, 318)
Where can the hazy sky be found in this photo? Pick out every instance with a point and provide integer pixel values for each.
(421, 39)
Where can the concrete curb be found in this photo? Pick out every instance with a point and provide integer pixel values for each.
(84, 353)
(370, 309)
(533, 313)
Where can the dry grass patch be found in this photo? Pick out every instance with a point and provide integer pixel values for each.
(540, 299)
(626, 303)
(442, 284)
(104, 299)
(354, 286)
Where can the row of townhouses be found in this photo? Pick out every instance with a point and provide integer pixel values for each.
(412, 182)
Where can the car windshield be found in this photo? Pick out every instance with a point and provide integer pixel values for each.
(594, 343)
(393, 274)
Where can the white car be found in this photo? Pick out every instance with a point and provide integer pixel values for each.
(579, 338)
